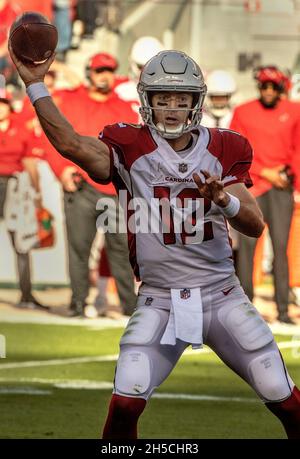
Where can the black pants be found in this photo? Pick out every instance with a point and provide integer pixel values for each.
(23, 262)
(277, 208)
(81, 217)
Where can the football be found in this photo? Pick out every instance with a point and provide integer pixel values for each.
(33, 38)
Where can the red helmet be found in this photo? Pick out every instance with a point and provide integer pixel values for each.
(103, 61)
(271, 74)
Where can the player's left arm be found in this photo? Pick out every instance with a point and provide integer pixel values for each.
(249, 219)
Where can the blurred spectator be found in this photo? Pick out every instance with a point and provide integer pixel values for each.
(142, 50)
(114, 14)
(272, 125)
(15, 156)
(102, 278)
(100, 275)
(97, 13)
(89, 108)
(8, 13)
(218, 109)
(62, 20)
(87, 12)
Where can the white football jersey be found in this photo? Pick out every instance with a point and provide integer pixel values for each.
(145, 166)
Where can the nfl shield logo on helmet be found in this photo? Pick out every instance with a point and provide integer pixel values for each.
(185, 293)
(182, 167)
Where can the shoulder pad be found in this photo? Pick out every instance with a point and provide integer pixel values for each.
(122, 133)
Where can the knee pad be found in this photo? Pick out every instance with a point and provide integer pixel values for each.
(143, 327)
(269, 376)
(246, 326)
(133, 373)
(134, 367)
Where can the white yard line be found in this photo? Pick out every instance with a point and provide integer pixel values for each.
(105, 385)
(24, 390)
(289, 344)
(75, 360)
(208, 398)
(114, 357)
(62, 383)
(45, 363)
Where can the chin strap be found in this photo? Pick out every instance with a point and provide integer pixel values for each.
(169, 133)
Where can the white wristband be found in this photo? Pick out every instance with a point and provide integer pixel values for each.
(232, 208)
(36, 91)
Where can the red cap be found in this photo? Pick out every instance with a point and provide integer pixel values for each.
(270, 74)
(103, 60)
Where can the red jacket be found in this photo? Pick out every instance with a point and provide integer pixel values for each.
(274, 134)
(15, 145)
(7, 16)
(88, 117)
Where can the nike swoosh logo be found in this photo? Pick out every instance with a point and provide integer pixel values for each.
(227, 291)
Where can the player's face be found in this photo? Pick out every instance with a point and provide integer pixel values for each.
(269, 93)
(102, 80)
(220, 101)
(4, 111)
(171, 108)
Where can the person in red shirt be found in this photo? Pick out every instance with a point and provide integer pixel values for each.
(90, 108)
(15, 156)
(272, 125)
(8, 13)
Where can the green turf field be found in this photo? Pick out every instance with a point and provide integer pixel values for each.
(37, 400)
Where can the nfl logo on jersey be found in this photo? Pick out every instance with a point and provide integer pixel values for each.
(182, 167)
(185, 293)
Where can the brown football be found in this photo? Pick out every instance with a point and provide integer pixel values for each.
(33, 38)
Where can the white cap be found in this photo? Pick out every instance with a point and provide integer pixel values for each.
(220, 82)
(144, 48)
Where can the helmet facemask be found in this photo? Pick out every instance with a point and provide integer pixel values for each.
(171, 71)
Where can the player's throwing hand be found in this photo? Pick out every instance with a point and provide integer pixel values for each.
(31, 73)
(212, 188)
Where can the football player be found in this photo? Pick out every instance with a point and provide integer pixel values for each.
(189, 294)
(218, 109)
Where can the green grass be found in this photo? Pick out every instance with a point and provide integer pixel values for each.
(80, 413)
